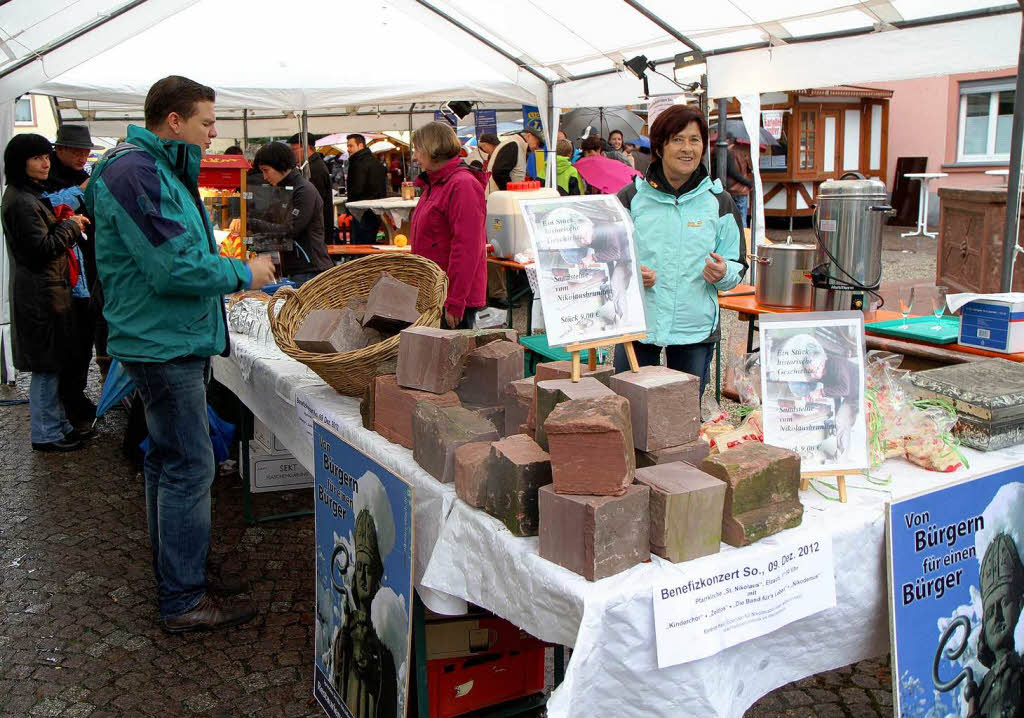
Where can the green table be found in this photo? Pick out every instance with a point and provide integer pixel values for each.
(537, 351)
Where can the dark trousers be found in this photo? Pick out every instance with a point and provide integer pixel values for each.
(75, 374)
(693, 359)
(364, 230)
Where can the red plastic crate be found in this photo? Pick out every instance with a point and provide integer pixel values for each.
(462, 685)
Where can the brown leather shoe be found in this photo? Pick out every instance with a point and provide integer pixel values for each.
(211, 614)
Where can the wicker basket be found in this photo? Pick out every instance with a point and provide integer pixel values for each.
(351, 372)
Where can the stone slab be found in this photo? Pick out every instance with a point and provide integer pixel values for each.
(488, 372)
(551, 392)
(686, 510)
(390, 305)
(472, 467)
(438, 431)
(550, 370)
(431, 359)
(518, 468)
(692, 453)
(366, 403)
(664, 405)
(331, 331)
(591, 446)
(394, 405)
(518, 404)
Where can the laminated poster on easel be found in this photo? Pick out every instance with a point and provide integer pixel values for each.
(587, 268)
(812, 379)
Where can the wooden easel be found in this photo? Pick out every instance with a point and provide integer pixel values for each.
(806, 476)
(591, 347)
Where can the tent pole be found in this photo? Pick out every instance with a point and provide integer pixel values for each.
(405, 163)
(245, 130)
(703, 102)
(721, 146)
(662, 24)
(1013, 185)
(304, 125)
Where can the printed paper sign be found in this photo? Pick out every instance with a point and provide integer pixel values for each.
(587, 270)
(812, 385)
(364, 545)
(772, 120)
(956, 587)
(742, 595)
(308, 412)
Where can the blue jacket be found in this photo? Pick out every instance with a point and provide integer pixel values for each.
(675, 233)
(162, 277)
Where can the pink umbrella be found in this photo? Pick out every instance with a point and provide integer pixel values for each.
(604, 173)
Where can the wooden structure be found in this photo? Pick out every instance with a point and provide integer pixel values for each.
(971, 253)
(826, 133)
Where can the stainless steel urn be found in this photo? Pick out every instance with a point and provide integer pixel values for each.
(848, 230)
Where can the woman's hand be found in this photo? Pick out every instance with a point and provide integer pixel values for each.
(451, 320)
(80, 220)
(648, 275)
(714, 268)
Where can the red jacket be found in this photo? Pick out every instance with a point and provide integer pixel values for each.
(448, 228)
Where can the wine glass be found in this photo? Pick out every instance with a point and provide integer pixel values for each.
(906, 300)
(938, 301)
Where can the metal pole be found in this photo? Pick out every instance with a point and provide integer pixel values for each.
(245, 130)
(304, 123)
(705, 108)
(1014, 180)
(721, 146)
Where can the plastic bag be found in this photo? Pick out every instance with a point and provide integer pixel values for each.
(746, 373)
(930, 443)
(750, 430)
(716, 421)
(890, 414)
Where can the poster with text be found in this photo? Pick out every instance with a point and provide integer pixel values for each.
(812, 386)
(587, 272)
(364, 541)
(956, 588)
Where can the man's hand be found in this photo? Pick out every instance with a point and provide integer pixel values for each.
(80, 220)
(262, 269)
(714, 268)
(648, 276)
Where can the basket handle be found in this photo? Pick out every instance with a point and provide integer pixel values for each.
(282, 293)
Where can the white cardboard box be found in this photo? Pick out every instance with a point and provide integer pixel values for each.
(269, 443)
(993, 324)
(275, 472)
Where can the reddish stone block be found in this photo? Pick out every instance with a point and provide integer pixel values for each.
(591, 446)
(686, 510)
(552, 392)
(518, 404)
(692, 453)
(438, 431)
(366, 404)
(472, 465)
(358, 307)
(432, 359)
(762, 491)
(482, 337)
(330, 331)
(493, 414)
(488, 372)
(518, 468)
(394, 406)
(664, 404)
(390, 305)
(595, 536)
(551, 370)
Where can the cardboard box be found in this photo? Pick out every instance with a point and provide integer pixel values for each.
(465, 637)
(994, 324)
(275, 472)
(269, 443)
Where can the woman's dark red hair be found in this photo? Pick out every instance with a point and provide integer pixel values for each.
(674, 120)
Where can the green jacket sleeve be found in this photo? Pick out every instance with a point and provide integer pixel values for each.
(174, 258)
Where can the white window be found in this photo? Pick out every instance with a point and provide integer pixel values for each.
(986, 116)
(23, 111)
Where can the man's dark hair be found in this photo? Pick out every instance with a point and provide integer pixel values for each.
(174, 94)
(673, 121)
(490, 138)
(592, 143)
(275, 155)
(358, 138)
(234, 150)
(296, 139)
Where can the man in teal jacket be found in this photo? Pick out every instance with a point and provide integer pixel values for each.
(689, 244)
(164, 284)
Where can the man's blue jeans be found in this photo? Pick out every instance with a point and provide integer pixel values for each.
(743, 205)
(179, 469)
(47, 422)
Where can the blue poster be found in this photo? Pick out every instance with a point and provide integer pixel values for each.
(485, 121)
(363, 582)
(956, 573)
(531, 117)
(448, 117)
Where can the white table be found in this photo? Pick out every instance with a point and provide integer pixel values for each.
(464, 554)
(399, 209)
(922, 204)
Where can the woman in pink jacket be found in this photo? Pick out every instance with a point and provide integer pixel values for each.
(448, 224)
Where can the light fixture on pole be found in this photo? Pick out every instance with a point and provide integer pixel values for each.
(695, 65)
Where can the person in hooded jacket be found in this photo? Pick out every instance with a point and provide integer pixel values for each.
(448, 224)
(40, 248)
(688, 241)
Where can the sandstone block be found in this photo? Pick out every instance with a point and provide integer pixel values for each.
(762, 491)
(563, 370)
(330, 331)
(366, 403)
(472, 466)
(550, 393)
(482, 337)
(488, 372)
(591, 446)
(432, 359)
(686, 510)
(493, 414)
(358, 307)
(390, 305)
(393, 407)
(438, 431)
(518, 468)
(518, 403)
(692, 453)
(664, 404)
(595, 536)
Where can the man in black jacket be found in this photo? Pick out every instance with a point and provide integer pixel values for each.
(67, 169)
(319, 175)
(367, 179)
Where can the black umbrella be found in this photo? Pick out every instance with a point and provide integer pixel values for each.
(737, 129)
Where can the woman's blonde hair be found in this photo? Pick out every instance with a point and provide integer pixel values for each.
(438, 140)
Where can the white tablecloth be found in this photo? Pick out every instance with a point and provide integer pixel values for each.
(462, 552)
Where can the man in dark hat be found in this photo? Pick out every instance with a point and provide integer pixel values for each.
(320, 176)
(67, 169)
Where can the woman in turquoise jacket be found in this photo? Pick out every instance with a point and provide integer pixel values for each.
(688, 239)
